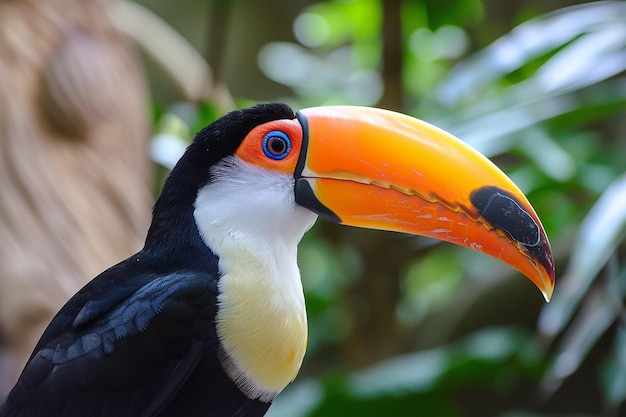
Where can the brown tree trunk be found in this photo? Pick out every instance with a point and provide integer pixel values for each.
(74, 168)
(393, 54)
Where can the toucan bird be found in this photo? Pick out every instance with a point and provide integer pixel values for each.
(209, 319)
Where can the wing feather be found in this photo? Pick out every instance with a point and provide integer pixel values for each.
(119, 349)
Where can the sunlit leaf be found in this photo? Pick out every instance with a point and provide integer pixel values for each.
(415, 372)
(604, 22)
(575, 66)
(592, 321)
(492, 125)
(599, 235)
(547, 154)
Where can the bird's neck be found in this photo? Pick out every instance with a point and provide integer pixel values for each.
(254, 229)
(261, 319)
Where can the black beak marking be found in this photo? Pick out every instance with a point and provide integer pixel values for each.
(503, 212)
(305, 196)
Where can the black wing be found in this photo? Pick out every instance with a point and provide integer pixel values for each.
(122, 346)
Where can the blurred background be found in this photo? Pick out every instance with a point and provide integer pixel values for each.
(398, 326)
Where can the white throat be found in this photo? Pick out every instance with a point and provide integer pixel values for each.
(248, 216)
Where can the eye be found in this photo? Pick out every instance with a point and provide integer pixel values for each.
(276, 145)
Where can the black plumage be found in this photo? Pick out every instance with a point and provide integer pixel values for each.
(140, 339)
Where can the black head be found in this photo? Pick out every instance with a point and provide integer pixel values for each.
(220, 139)
(213, 143)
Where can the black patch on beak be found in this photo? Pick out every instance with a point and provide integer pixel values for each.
(503, 212)
(306, 198)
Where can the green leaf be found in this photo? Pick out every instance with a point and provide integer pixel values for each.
(570, 30)
(600, 233)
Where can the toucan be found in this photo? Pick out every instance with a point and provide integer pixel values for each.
(209, 318)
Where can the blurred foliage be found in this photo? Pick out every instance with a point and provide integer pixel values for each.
(546, 100)
(429, 383)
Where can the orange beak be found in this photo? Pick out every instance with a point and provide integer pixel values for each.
(378, 169)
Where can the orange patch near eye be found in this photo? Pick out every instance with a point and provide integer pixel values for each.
(251, 148)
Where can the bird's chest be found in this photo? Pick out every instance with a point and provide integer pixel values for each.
(261, 322)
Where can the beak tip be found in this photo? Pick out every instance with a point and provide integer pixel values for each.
(546, 274)
(547, 292)
(544, 265)
(548, 281)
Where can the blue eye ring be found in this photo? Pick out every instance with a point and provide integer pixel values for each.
(276, 145)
